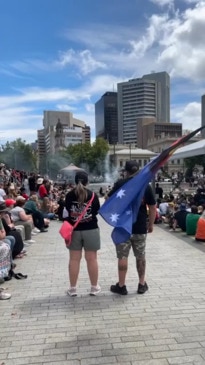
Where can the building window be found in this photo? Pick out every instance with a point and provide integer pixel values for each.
(121, 163)
(140, 163)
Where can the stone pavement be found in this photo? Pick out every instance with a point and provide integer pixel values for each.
(41, 325)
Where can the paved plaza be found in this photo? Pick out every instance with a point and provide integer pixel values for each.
(41, 325)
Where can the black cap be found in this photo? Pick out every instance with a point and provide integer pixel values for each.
(131, 166)
(81, 176)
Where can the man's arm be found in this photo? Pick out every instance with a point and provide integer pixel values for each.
(151, 217)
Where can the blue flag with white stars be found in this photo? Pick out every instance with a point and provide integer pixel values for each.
(121, 209)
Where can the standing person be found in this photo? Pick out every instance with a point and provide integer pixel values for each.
(43, 189)
(85, 236)
(158, 191)
(139, 233)
(32, 183)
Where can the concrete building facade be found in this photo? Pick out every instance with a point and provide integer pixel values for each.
(50, 120)
(148, 130)
(60, 130)
(142, 97)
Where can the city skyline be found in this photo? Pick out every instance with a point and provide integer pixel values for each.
(65, 56)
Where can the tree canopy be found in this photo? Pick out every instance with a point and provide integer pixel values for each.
(19, 155)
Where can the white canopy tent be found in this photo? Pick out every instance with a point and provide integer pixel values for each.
(193, 149)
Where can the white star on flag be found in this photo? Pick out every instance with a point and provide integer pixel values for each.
(128, 212)
(114, 217)
(120, 194)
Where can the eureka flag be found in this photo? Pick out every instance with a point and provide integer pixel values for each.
(121, 209)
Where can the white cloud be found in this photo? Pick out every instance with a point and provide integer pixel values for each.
(102, 37)
(189, 115)
(82, 60)
(65, 107)
(183, 49)
(163, 2)
(152, 35)
(90, 107)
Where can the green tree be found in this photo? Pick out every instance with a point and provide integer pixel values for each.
(98, 155)
(91, 157)
(19, 155)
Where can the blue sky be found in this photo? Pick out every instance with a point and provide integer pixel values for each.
(64, 54)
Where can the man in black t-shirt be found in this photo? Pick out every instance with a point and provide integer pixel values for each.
(139, 232)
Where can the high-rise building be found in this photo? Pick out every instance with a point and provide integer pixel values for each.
(203, 115)
(148, 96)
(86, 134)
(106, 120)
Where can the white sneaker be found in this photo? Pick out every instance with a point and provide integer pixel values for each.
(72, 292)
(95, 290)
(36, 230)
(33, 233)
(29, 241)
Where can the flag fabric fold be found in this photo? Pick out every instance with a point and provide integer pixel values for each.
(121, 209)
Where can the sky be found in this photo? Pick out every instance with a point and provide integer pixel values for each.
(65, 54)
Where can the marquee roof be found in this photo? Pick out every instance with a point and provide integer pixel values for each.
(193, 149)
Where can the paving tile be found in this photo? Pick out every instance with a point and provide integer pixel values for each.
(41, 325)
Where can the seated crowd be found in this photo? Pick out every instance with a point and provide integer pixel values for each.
(27, 205)
(186, 214)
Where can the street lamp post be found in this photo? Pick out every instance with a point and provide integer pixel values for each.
(130, 146)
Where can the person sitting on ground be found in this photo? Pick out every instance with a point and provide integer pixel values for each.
(163, 208)
(19, 217)
(5, 267)
(46, 208)
(179, 218)
(23, 193)
(191, 221)
(61, 205)
(200, 228)
(200, 209)
(12, 194)
(31, 208)
(10, 203)
(16, 244)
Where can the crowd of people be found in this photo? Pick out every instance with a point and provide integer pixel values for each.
(184, 213)
(28, 203)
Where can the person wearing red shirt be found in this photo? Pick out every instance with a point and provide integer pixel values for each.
(42, 190)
